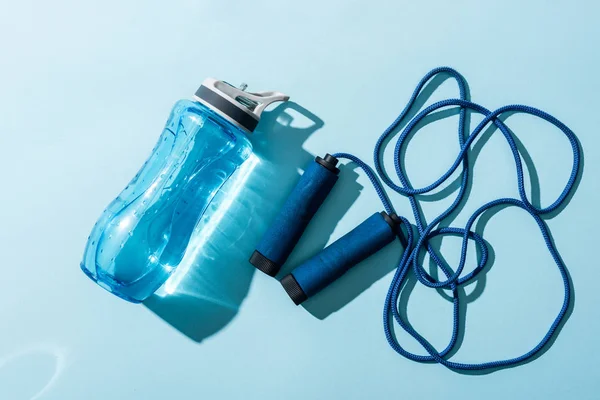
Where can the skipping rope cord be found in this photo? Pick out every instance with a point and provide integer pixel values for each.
(415, 244)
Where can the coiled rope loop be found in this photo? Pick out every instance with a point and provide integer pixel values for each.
(419, 243)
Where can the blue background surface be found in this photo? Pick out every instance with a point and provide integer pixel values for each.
(86, 88)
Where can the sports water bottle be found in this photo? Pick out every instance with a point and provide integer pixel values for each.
(142, 236)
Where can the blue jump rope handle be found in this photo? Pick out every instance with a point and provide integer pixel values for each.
(299, 208)
(366, 239)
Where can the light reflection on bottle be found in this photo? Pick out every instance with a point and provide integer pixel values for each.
(200, 238)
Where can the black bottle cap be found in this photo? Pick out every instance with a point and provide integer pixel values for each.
(328, 162)
(263, 264)
(293, 289)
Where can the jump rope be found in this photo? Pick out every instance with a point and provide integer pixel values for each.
(382, 228)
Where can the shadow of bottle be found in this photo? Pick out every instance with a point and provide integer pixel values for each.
(206, 291)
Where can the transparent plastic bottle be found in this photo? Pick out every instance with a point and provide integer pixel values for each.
(143, 235)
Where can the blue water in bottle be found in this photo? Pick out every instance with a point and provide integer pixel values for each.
(143, 235)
